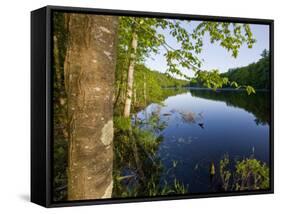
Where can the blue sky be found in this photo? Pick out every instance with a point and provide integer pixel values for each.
(215, 57)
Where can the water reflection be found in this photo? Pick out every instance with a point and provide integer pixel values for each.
(257, 104)
(201, 126)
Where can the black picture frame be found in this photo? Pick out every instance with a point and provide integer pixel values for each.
(41, 104)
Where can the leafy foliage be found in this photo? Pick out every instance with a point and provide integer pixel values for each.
(211, 79)
(230, 36)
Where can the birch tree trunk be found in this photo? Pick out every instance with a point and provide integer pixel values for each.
(130, 81)
(89, 71)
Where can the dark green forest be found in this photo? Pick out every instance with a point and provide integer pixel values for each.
(255, 74)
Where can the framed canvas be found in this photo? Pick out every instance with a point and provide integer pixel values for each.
(134, 106)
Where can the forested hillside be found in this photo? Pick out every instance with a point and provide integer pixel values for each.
(255, 74)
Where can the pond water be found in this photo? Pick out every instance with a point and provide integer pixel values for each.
(201, 126)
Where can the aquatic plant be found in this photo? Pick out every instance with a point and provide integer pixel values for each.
(225, 174)
(249, 174)
(179, 188)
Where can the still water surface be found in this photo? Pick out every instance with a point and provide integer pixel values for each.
(201, 126)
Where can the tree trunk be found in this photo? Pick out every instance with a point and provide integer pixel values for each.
(144, 89)
(129, 92)
(135, 94)
(89, 71)
(120, 87)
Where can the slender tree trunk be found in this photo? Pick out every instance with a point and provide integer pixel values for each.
(117, 93)
(120, 87)
(135, 95)
(89, 80)
(129, 92)
(144, 89)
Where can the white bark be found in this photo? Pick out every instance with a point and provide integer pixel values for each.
(129, 92)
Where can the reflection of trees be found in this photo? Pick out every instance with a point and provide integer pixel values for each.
(257, 104)
(158, 97)
(137, 167)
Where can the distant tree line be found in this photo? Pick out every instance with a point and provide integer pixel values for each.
(255, 74)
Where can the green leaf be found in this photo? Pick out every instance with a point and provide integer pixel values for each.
(250, 90)
(233, 83)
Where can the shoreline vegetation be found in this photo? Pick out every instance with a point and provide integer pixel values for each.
(218, 89)
(101, 149)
